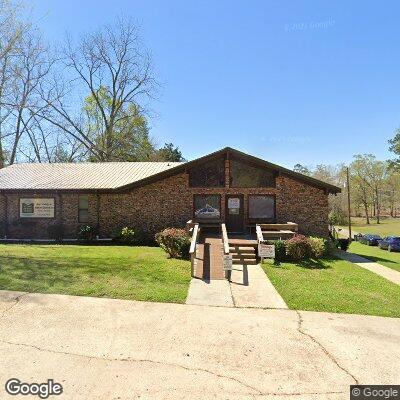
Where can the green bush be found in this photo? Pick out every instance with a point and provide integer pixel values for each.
(344, 244)
(298, 248)
(87, 233)
(175, 242)
(318, 246)
(337, 217)
(124, 235)
(56, 232)
(280, 251)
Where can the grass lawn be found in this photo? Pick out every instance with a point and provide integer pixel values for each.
(387, 226)
(135, 273)
(334, 285)
(374, 253)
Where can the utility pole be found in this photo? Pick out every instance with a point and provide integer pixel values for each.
(348, 201)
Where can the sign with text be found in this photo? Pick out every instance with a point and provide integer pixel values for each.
(234, 203)
(266, 250)
(228, 261)
(36, 208)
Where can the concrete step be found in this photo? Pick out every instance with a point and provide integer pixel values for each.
(242, 242)
(244, 253)
(238, 255)
(246, 250)
(247, 261)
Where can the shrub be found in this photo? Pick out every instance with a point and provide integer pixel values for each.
(298, 248)
(344, 244)
(56, 232)
(280, 251)
(175, 242)
(318, 246)
(337, 217)
(124, 235)
(87, 233)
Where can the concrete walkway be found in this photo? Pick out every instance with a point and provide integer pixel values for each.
(215, 292)
(249, 286)
(117, 349)
(387, 273)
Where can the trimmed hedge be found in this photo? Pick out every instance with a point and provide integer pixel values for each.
(300, 247)
(175, 242)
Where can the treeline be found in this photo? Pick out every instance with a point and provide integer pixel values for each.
(374, 187)
(82, 100)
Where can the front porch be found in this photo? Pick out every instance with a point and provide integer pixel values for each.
(214, 252)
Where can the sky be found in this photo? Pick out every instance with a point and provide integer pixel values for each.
(309, 82)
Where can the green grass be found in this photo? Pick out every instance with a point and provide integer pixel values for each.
(334, 285)
(387, 226)
(374, 253)
(135, 273)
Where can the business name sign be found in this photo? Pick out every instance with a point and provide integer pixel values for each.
(36, 208)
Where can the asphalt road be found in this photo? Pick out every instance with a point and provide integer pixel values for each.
(115, 349)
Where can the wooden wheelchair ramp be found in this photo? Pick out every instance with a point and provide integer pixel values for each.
(208, 259)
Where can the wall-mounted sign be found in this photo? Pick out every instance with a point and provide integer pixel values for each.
(233, 203)
(36, 208)
(266, 250)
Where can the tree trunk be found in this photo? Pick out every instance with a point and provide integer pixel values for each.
(366, 212)
(378, 206)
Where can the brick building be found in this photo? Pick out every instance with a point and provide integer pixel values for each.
(226, 186)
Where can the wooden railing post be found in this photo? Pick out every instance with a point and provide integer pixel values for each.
(193, 245)
(225, 256)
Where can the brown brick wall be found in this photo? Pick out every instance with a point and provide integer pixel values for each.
(168, 202)
(304, 204)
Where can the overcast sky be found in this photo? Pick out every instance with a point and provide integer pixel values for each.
(292, 82)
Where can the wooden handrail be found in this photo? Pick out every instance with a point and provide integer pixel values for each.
(225, 242)
(189, 225)
(193, 246)
(193, 242)
(260, 236)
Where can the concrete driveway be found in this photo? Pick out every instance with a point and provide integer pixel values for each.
(115, 349)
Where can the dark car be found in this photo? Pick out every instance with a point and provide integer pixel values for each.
(390, 243)
(370, 239)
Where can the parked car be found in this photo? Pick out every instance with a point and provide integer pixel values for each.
(390, 243)
(370, 239)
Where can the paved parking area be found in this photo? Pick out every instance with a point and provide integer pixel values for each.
(116, 349)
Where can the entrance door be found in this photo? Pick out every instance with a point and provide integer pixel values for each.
(234, 215)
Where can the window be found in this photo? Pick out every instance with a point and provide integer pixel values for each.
(262, 207)
(83, 213)
(245, 175)
(209, 174)
(207, 207)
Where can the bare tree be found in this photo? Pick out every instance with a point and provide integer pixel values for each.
(12, 30)
(115, 69)
(29, 71)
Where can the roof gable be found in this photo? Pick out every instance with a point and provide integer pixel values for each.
(229, 151)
